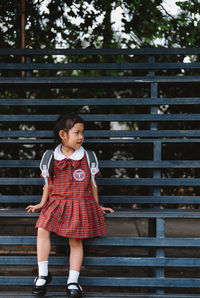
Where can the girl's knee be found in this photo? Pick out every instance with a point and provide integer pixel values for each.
(43, 233)
(75, 242)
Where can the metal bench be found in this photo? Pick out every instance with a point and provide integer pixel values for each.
(105, 273)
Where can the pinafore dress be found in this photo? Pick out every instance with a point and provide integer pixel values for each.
(71, 210)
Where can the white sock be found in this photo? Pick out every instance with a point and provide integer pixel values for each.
(42, 271)
(73, 277)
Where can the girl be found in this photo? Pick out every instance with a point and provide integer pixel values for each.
(69, 204)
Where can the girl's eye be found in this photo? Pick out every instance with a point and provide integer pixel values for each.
(77, 133)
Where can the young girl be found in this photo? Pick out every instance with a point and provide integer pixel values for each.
(69, 204)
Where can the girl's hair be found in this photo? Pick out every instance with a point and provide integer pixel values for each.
(64, 122)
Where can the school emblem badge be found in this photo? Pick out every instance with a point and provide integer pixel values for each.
(79, 175)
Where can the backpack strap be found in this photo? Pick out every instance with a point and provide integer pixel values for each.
(45, 163)
(93, 164)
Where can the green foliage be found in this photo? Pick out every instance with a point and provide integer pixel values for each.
(78, 24)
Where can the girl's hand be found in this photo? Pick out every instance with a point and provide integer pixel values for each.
(34, 208)
(106, 209)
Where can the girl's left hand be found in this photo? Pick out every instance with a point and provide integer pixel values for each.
(106, 209)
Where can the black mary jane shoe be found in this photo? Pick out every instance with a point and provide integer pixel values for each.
(41, 290)
(74, 293)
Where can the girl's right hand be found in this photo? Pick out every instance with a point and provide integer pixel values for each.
(34, 208)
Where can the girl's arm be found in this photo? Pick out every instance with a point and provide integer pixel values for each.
(38, 207)
(95, 194)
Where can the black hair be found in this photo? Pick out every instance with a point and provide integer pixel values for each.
(64, 122)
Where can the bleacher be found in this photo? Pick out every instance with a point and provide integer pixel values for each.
(114, 266)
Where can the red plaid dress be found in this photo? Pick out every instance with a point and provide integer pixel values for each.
(71, 210)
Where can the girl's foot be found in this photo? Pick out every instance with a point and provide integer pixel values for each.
(74, 293)
(41, 290)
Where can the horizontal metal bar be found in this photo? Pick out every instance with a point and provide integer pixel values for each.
(141, 282)
(113, 181)
(101, 117)
(60, 294)
(113, 140)
(106, 133)
(89, 133)
(19, 199)
(133, 213)
(113, 51)
(108, 241)
(99, 66)
(109, 281)
(99, 294)
(87, 80)
(113, 164)
(100, 101)
(105, 261)
(50, 141)
(149, 199)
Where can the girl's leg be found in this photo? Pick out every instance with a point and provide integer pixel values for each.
(43, 250)
(76, 259)
(43, 245)
(76, 254)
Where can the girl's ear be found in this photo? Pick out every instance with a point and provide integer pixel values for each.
(62, 134)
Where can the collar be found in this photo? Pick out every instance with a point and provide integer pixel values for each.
(77, 155)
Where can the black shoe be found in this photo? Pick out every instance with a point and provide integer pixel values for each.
(41, 290)
(74, 293)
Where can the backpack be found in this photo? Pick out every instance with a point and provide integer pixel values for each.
(48, 155)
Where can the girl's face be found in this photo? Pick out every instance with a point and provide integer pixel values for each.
(74, 138)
